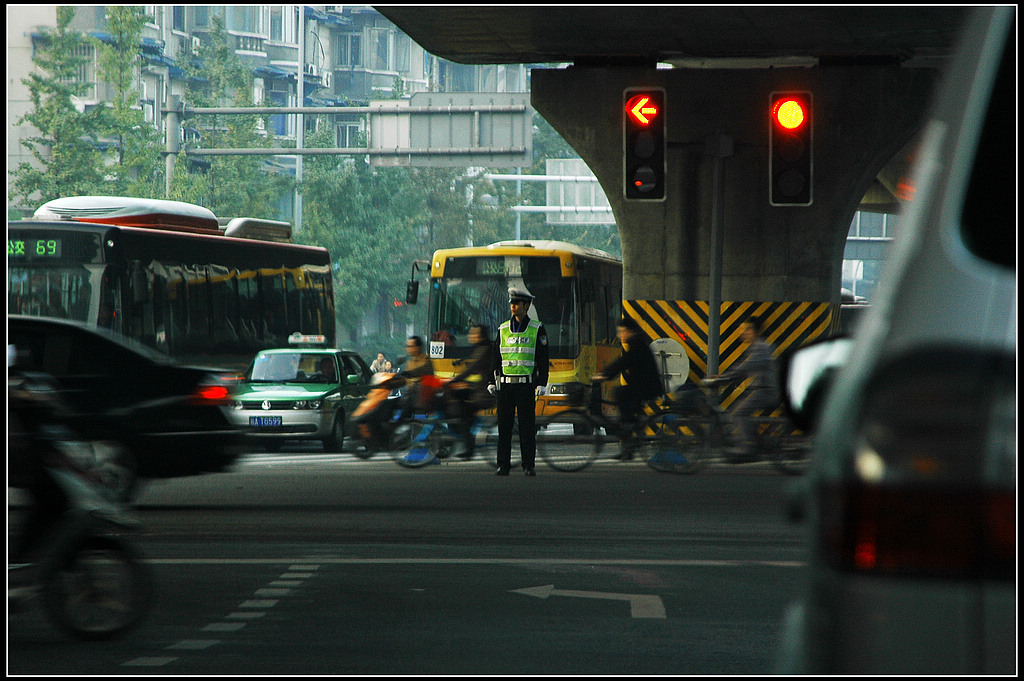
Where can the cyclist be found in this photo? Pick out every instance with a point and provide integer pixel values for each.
(761, 395)
(639, 380)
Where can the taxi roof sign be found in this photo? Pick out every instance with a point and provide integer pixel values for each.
(306, 339)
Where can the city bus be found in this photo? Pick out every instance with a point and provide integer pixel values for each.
(578, 298)
(169, 275)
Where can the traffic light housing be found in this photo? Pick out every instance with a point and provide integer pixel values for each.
(643, 136)
(791, 149)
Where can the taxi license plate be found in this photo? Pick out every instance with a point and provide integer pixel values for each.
(264, 420)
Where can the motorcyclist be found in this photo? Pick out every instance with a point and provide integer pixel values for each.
(36, 428)
(469, 387)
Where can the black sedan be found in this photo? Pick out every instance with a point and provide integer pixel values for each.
(168, 419)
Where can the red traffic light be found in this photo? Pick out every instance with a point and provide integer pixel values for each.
(643, 108)
(789, 112)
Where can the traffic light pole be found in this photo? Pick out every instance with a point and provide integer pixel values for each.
(718, 147)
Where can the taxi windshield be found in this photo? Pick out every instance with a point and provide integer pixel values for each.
(294, 367)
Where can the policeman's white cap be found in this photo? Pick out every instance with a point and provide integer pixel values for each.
(519, 294)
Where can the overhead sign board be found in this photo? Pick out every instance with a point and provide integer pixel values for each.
(456, 129)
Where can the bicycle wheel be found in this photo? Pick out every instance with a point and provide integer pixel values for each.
(559, 445)
(678, 445)
(98, 590)
(789, 452)
(426, 442)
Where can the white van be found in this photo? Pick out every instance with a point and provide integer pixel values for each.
(911, 500)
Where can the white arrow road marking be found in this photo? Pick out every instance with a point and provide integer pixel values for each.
(640, 605)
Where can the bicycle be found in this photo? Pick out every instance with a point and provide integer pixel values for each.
(573, 439)
(777, 440)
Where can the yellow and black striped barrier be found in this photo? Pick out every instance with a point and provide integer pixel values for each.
(785, 326)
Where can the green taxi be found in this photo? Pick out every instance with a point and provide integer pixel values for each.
(300, 393)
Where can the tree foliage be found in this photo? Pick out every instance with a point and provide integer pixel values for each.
(227, 185)
(137, 169)
(67, 148)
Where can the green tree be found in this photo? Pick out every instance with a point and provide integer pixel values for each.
(67, 147)
(227, 185)
(548, 144)
(137, 170)
(365, 217)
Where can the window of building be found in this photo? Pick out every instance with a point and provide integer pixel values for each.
(380, 49)
(86, 73)
(202, 15)
(277, 22)
(244, 18)
(403, 47)
(178, 17)
(350, 47)
(349, 135)
(871, 225)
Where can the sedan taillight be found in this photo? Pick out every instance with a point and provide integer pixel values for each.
(212, 390)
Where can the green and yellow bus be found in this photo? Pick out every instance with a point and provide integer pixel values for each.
(578, 298)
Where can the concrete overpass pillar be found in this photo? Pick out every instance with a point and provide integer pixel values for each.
(862, 117)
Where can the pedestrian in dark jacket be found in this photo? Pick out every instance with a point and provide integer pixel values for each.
(639, 379)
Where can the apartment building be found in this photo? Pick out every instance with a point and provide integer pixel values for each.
(350, 56)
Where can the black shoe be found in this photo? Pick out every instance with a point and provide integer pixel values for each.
(502, 471)
(530, 473)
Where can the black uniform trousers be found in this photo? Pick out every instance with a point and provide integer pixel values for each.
(516, 398)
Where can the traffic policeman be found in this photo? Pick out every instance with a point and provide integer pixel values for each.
(522, 374)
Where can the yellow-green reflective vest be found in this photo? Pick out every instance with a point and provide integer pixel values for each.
(518, 350)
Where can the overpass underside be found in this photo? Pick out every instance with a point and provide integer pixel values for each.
(782, 262)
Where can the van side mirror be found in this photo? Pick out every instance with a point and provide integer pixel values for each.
(412, 291)
(806, 376)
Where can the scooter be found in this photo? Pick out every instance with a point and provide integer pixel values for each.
(87, 575)
(90, 580)
(383, 423)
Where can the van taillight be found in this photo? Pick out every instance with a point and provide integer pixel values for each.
(929, 488)
(921, 532)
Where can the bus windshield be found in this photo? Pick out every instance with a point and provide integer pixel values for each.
(456, 302)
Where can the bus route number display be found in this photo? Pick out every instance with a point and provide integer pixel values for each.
(499, 266)
(33, 248)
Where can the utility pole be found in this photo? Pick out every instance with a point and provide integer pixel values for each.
(301, 118)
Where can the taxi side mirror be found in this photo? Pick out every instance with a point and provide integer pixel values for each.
(352, 379)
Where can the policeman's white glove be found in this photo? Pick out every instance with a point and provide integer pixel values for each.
(491, 388)
(541, 390)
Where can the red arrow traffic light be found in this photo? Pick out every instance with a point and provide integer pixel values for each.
(644, 143)
(642, 109)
